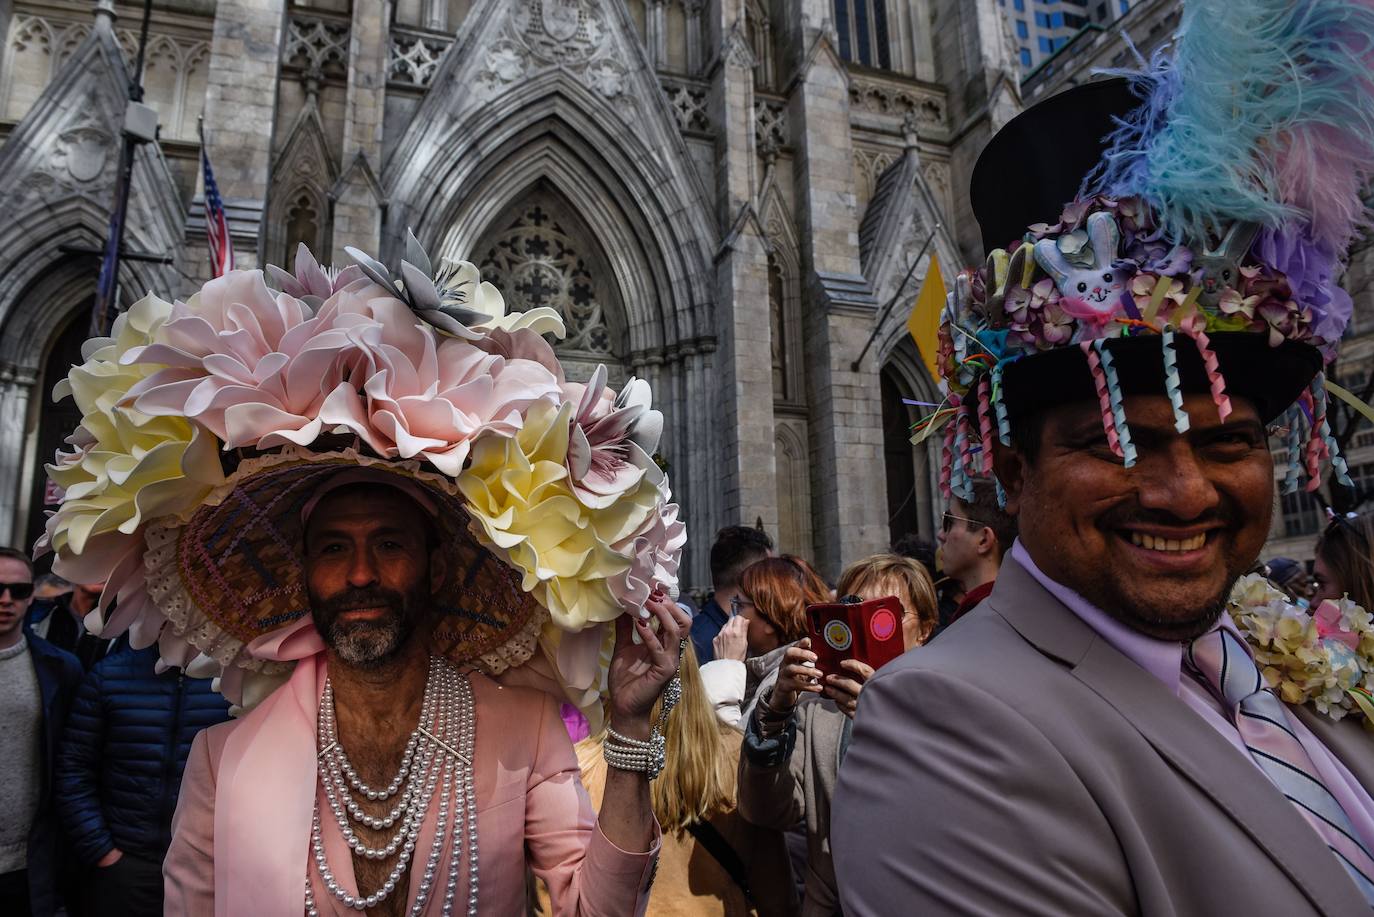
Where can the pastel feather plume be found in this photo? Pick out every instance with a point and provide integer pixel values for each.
(1264, 114)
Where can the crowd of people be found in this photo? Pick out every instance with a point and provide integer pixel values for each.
(754, 748)
(97, 738)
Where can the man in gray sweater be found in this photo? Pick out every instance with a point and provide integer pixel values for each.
(36, 684)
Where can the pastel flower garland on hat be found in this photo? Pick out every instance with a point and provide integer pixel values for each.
(556, 477)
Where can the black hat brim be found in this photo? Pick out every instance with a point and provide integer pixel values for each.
(1271, 378)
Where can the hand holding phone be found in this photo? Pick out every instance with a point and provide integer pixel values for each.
(870, 632)
(797, 675)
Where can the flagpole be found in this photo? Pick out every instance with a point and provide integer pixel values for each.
(107, 284)
(204, 156)
(887, 309)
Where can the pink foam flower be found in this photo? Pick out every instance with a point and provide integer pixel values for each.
(611, 439)
(428, 396)
(252, 367)
(311, 283)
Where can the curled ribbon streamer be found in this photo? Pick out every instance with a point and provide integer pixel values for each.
(926, 426)
(1293, 444)
(1351, 399)
(985, 422)
(1172, 384)
(1214, 377)
(1123, 430)
(1001, 494)
(1000, 407)
(1330, 447)
(963, 464)
(1103, 398)
(947, 461)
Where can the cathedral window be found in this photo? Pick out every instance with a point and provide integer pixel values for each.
(541, 258)
(302, 225)
(861, 26)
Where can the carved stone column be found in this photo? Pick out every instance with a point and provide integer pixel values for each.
(240, 103)
(655, 32)
(357, 195)
(743, 362)
(848, 482)
(16, 388)
(693, 11)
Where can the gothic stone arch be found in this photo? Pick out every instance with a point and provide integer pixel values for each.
(646, 218)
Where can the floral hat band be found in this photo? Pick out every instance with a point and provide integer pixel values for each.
(1207, 228)
(210, 426)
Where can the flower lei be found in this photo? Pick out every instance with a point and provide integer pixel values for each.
(1324, 658)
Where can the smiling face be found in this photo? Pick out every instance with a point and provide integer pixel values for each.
(370, 573)
(1158, 545)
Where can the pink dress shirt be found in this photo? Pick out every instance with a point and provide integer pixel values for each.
(1164, 660)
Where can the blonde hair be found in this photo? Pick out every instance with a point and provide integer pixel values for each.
(891, 574)
(698, 778)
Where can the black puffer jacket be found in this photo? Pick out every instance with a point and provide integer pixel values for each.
(125, 746)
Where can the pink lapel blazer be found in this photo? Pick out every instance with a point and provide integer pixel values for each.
(532, 810)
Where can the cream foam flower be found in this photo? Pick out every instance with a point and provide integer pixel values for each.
(128, 466)
(517, 489)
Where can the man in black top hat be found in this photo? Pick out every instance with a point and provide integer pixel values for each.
(1096, 737)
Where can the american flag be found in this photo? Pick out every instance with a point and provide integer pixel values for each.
(216, 226)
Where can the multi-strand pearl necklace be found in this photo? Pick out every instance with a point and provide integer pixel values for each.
(437, 758)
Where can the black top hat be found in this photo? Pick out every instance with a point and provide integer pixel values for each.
(1036, 163)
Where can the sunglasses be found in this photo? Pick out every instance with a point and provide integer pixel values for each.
(948, 519)
(17, 591)
(737, 604)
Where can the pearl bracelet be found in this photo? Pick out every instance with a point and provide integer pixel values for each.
(626, 754)
(641, 756)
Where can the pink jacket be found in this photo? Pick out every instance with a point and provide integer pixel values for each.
(532, 810)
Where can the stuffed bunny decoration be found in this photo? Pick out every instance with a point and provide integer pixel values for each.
(1002, 271)
(1219, 268)
(1098, 292)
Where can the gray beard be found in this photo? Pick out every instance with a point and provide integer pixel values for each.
(367, 644)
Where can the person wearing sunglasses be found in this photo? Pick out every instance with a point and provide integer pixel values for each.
(973, 537)
(37, 682)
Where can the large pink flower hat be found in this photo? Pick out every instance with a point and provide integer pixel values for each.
(208, 424)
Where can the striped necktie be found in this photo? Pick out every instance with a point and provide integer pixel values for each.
(1223, 663)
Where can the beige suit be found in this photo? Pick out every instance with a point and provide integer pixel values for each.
(1019, 764)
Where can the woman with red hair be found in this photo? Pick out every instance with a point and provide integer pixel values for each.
(767, 616)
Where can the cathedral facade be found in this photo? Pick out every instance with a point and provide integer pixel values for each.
(735, 199)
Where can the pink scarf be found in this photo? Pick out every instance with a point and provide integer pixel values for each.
(265, 790)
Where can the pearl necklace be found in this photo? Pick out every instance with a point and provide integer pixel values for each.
(438, 757)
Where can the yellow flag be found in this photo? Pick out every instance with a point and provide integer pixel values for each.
(924, 323)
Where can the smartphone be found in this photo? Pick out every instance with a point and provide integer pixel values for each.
(870, 632)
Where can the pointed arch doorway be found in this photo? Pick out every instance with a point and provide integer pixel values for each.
(539, 252)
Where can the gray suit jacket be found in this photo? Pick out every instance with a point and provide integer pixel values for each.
(1018, 764)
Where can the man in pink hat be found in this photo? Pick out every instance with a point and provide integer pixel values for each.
(400, 537)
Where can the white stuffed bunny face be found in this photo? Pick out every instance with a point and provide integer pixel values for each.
(1095, 292)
